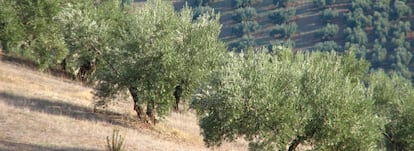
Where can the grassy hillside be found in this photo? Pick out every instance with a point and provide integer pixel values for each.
(43, 112)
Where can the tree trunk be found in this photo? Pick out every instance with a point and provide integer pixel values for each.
(177, 94)
(137, 108)
(150, 111)
(296, 142)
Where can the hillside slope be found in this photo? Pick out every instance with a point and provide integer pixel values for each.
(42, 112)
(307, 18)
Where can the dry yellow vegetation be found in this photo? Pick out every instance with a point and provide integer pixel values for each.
(42, 112)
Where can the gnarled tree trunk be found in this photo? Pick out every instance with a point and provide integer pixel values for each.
(296, 142)
(151, 111)
(177, 94)
(134, 93)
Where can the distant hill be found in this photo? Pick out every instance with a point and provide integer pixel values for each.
(307, 17)
(378, 30)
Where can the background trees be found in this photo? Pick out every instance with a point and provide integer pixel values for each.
(282, 15)
(329, 14)
(328, 32)
(28, 30)
(244, 14)
(284, 30)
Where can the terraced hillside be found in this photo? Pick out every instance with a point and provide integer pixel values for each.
(380, 30)
(307, 17)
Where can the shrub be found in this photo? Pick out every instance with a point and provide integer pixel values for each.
(400, 9)
(244, 43)
(116, 143)
(244, 14)
(245, 27)
(284, 30)
(197, 3)
(288, 43)
(329, 14)
(280, 3)
(323, 3)
(379, 53)
(198, 11)
(244, 3)
(327, 46)
(282, 15)
(361, 4)
(357, 18)
(381, 25)
(328, 32)
(382, 5)
(356, 35)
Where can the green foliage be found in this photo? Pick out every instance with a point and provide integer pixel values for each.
(393, 96)
(328, 32)
(280, 3)
(244, 3)
(38, 36)
(327, 46)
(356, 35)
(201, 10)
(87, 31)
(381, 25)
(356, 18)
(245, 28)
(366, 5)
(329, 14)
(244, 14)
(359, 49)
(116, 143)
(283, 15)
(283, 99)
(399, 9)
(284, 30)
(11, 28)
(379, 53)
(243, 44)
(277, 45)
(200, 3)
(399, 33)
(153, 49)
(382, 5)
(323, 3)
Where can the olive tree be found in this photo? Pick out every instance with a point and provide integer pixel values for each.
(87, 30)
(399, 10)
(328, 32)
(393, 100)
(244, 14)
(11, 28)
(356, 35)
(280, 3)
(154, 50)
(284, 30)
(329, 14)
(28, 29)
(282, 100)
(245, 28)
(327, 46)
(282, 15)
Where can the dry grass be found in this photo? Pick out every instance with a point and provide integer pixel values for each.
(42, 112)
